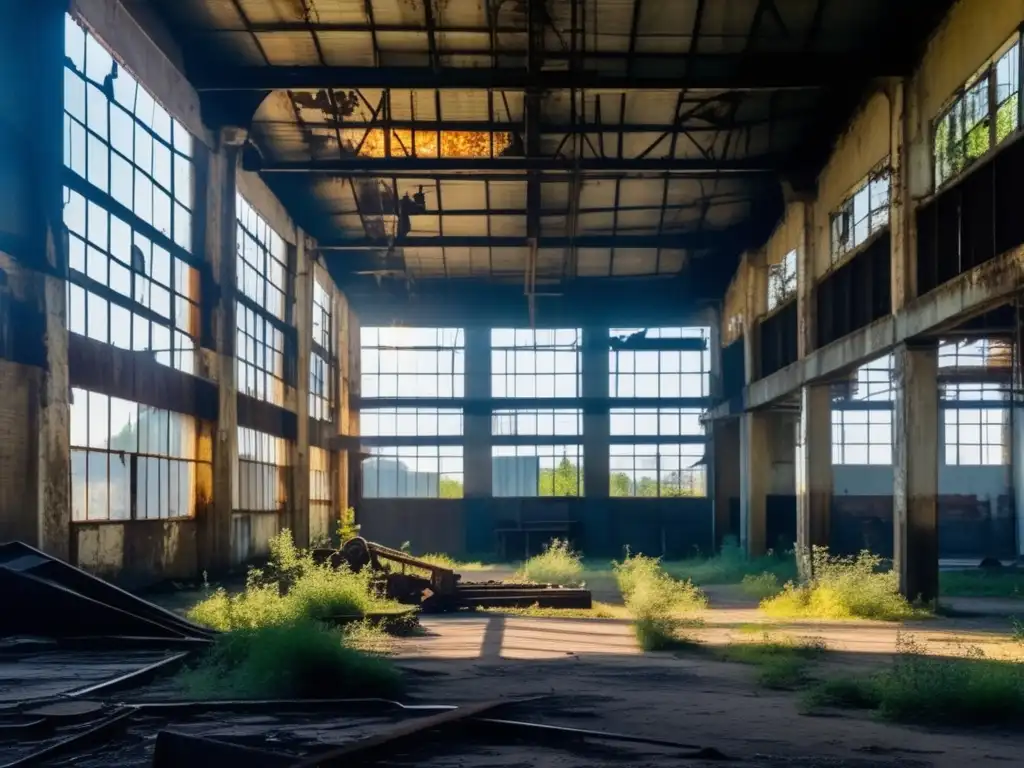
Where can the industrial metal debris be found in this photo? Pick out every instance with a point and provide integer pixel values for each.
(434, 588)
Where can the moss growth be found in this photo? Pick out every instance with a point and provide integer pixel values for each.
(598, 611)
(557, 564)
(843, 588)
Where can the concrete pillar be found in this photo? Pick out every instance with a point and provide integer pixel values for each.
(596, 426)
(303, 316)
(215, 198)
(813, 469)
(476, 457)
(725, 450)
(755, 479)
(34, 411)
(902, 222)
(352, 475)
(477, 418)
(916, 471)
(339, 460)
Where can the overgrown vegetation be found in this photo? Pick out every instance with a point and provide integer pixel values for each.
(292, 587)
(781, 662)
(296, 659)
(843, 588)
(983, 582)
(761, 585)
(557, 564)
(964, 690)
(732, 566)
(660, 606)
(275, 642)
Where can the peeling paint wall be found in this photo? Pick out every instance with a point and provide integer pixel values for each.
(862, 147)
(137, 553)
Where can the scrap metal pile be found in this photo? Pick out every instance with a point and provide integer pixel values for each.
(435, 588)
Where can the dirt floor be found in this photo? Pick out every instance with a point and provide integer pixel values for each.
(595, 676)
(599, 678)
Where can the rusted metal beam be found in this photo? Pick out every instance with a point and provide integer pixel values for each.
(398, 736)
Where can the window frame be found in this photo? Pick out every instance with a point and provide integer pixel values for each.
(988, 74)
(843, 243)
(639, 448)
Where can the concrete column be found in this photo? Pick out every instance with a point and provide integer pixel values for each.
(755, 306)
(813, 469)
(300, 451)
(902, 222)
(725, 450)
(476, 460)
(215, 182)
(596, 461)
(34, 411)
(755, 479)
(916, 471)
(352, 476)
(339, 459)
(806, 299)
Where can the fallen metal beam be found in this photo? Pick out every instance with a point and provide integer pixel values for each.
(976, 291)
(174, 750)
(693, 72)
(393, 738)
(383, 166)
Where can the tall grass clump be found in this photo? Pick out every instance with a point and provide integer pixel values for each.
(291, 587)
(659, 605)
(843, 588)
(964, 690)
(731, 565)
(297, 659)
(557, 564)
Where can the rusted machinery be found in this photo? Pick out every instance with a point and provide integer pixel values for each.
(413, 581)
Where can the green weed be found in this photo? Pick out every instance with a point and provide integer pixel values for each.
(781, 663)
(732, 565)
(979, 582)
(301, 659)
(557, 564)
(761, 585)
(290, 588)
(843, 588)
(964, 690)
(657, 603)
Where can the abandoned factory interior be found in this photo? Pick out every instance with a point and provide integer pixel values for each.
(423, 292)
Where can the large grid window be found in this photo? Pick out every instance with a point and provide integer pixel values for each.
(560, 422)
(413, 362)
(321, 362)
(872, 382)
(976, 353)
(128, 210)
(975, 436)
(131, 461)
(537, 470)
(542, 363)
(982, 114)
(861, 437)
(656, 422)
(667, 373)
(261, 482)
(410, 422)
(782, 281)
(653, 471)
(861, 215)
(262, 281)
(413, 472)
